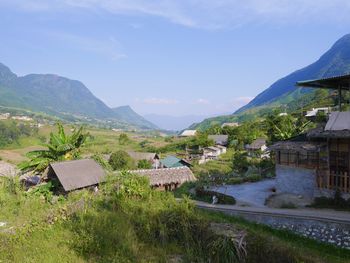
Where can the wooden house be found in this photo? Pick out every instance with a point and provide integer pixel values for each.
(257, 148)
(152, 158)
(318, 163)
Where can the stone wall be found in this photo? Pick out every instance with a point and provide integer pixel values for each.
(295, 180)
(336, 233)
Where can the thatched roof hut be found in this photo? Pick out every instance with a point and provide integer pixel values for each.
(167, 176)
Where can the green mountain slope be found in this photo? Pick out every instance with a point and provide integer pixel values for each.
(336, 61)
(127, 114)
(59, 96)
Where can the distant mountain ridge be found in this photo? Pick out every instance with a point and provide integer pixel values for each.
(56, 95)
(336, 61)
(174, 123)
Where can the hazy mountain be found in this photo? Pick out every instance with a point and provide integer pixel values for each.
(60, 96)
(127, 114)
(336, 61)
(174, 123)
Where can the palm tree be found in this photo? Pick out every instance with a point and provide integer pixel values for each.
(60, 147)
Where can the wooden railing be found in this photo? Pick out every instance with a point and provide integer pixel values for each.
(333, 180)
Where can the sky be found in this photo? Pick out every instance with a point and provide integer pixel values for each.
(170, 57)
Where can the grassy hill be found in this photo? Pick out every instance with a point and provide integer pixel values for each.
(62, 97)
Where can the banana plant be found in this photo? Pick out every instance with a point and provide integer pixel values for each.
(59, 148)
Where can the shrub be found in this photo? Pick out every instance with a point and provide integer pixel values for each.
(144, 164)
(123, 138)
(121, 160)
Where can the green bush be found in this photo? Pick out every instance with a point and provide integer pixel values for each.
(144, 164)
(121, 160)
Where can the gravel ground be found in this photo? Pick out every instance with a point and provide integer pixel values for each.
(252, 194)
(7, 169)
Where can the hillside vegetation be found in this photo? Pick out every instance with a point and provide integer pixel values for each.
(63, 98)
(284, 94)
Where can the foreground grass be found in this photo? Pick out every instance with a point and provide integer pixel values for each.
(128, 222)
(281, 245)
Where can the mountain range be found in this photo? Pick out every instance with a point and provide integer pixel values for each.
(60, 96)
(174, 123)
(336, 61)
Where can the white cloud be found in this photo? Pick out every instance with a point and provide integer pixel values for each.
(206, 13)
(110, 47)
(157, 101)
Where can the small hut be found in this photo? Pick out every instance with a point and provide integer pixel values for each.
(77, 174)
(167, 179)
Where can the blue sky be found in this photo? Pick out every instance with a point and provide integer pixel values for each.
(171, 57)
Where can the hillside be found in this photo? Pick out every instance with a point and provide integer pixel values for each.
(127, 114)
(59, 96)
(336, 61)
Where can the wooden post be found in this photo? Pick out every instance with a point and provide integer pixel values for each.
(339, 97)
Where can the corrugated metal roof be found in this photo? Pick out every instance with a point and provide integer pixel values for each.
(338, 121)
(334, 82)
(188, 133)
(78, 174)
(167, 176)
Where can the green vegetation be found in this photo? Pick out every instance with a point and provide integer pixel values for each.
(123, 139)
(144, 164)
(11, 132)
(60, 147)
(121, 160)
(127, 221)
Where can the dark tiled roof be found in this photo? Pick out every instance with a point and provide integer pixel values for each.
(165, 176)
(77, 174)
(219, 139)
(257, 144)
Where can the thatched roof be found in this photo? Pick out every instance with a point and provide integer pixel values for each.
(166, 176)
(143, 156)
(77, 174)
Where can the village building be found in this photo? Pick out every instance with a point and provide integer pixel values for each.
(311, 114)
(77, 174)
(167, 179)
(318, 162)
(188, 133)
(219, 139)
(22, 118)
(4, 116)
(257, 148)
(174, 162)
(153, 158)
(212, 152)
(230, 124)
